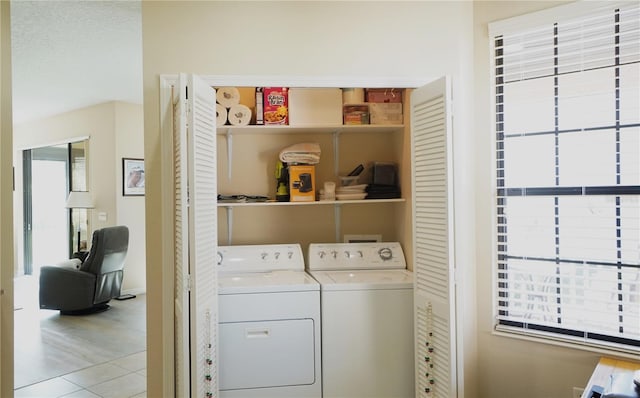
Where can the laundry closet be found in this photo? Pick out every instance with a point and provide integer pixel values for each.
(241, 160)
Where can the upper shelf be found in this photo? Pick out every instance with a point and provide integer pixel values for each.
(279, 129)
(313, 203)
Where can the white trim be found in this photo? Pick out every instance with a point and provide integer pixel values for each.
(566, 342)
(55, 143)
(305, 81)
(556, 14)
(167, 231)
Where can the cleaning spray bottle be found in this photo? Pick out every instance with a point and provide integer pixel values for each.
(282, 182)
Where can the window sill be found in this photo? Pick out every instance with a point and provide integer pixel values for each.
(577, 344)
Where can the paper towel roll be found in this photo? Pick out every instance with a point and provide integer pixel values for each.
(221, 115)
(352, 95)
(239, 115)
(228, 96)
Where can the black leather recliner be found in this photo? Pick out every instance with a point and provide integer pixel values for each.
(80, 287)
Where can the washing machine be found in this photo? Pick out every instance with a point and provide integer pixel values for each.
(269, 323)
(366, 296)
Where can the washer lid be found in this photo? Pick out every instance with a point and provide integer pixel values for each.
(266, 282)
(364, 279)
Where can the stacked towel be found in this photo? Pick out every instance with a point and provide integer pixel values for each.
(303, 153)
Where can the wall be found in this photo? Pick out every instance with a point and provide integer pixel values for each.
(129, 143)
(509, 367)
(6, 209)
(416, 41)
(105, 124)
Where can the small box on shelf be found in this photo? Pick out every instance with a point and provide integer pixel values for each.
(386, 113)
(302, 183)
(355, 114)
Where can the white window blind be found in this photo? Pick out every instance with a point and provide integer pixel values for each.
(567, 121)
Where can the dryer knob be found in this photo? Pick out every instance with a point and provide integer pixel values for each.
(334, 254)
(277, 255)
(322, 254)
(264, 255)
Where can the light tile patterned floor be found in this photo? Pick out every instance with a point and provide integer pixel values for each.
(120, 378)
(95, 356)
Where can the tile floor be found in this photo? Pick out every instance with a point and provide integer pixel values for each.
(120, 378)
(100, 355)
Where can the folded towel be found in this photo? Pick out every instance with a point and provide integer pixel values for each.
(306, 153)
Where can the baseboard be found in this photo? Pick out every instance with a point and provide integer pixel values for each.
(135, 292)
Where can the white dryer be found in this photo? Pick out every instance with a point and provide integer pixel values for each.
(366, 298)
(269, 323)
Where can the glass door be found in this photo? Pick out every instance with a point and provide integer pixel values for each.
(50, 229)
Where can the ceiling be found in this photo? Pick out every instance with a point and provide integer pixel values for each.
(68, 55)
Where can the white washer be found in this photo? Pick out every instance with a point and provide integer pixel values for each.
(269, 323)
(366, 297)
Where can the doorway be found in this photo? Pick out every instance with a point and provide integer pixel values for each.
(49, 173)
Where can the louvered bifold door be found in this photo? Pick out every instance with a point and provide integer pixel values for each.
(203, 238)
(434, 286)
(181, 260)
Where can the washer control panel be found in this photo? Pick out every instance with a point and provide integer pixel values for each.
(348, 256)
(260, 258)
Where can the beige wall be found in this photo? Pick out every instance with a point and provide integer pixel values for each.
(6, 210)
(129, 143)
(414, 41)
(509, 367)
(109, 127)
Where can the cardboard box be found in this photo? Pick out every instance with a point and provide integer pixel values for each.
(385, 113)
(302, 183)
(384, 95)
(276, 105)
(355, 114)
(315, 106)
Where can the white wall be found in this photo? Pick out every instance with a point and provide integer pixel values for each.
(398, 40)
(104, 124)
(509, 367)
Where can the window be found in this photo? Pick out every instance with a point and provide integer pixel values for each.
(567, 125)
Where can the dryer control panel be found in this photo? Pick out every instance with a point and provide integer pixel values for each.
(353, 256)
(260, 258)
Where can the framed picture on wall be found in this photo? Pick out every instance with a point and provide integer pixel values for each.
(132, 177)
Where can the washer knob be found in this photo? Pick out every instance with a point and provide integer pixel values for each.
(385, 254)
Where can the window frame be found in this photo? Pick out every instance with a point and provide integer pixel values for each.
(518, 24)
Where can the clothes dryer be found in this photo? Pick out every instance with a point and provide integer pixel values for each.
(269, 323)
(366, 297)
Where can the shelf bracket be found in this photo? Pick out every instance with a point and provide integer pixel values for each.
(336, 151)
(229, 224)
(229, 152)
(337, 215)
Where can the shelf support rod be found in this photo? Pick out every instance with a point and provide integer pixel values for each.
(229, 224)
(336, 151)
(337, 215)
(229, 152)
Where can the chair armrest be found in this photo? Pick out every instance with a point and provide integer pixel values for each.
(72, 263)
(66, 288)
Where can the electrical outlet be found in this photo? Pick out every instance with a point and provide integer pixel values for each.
(577, 392)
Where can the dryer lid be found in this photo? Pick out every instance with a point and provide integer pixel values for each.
(266, 282)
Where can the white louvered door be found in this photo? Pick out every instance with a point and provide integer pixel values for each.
(181, 260)
(196, 239)
(434, 266)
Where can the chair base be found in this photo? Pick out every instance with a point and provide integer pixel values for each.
(87, 311)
